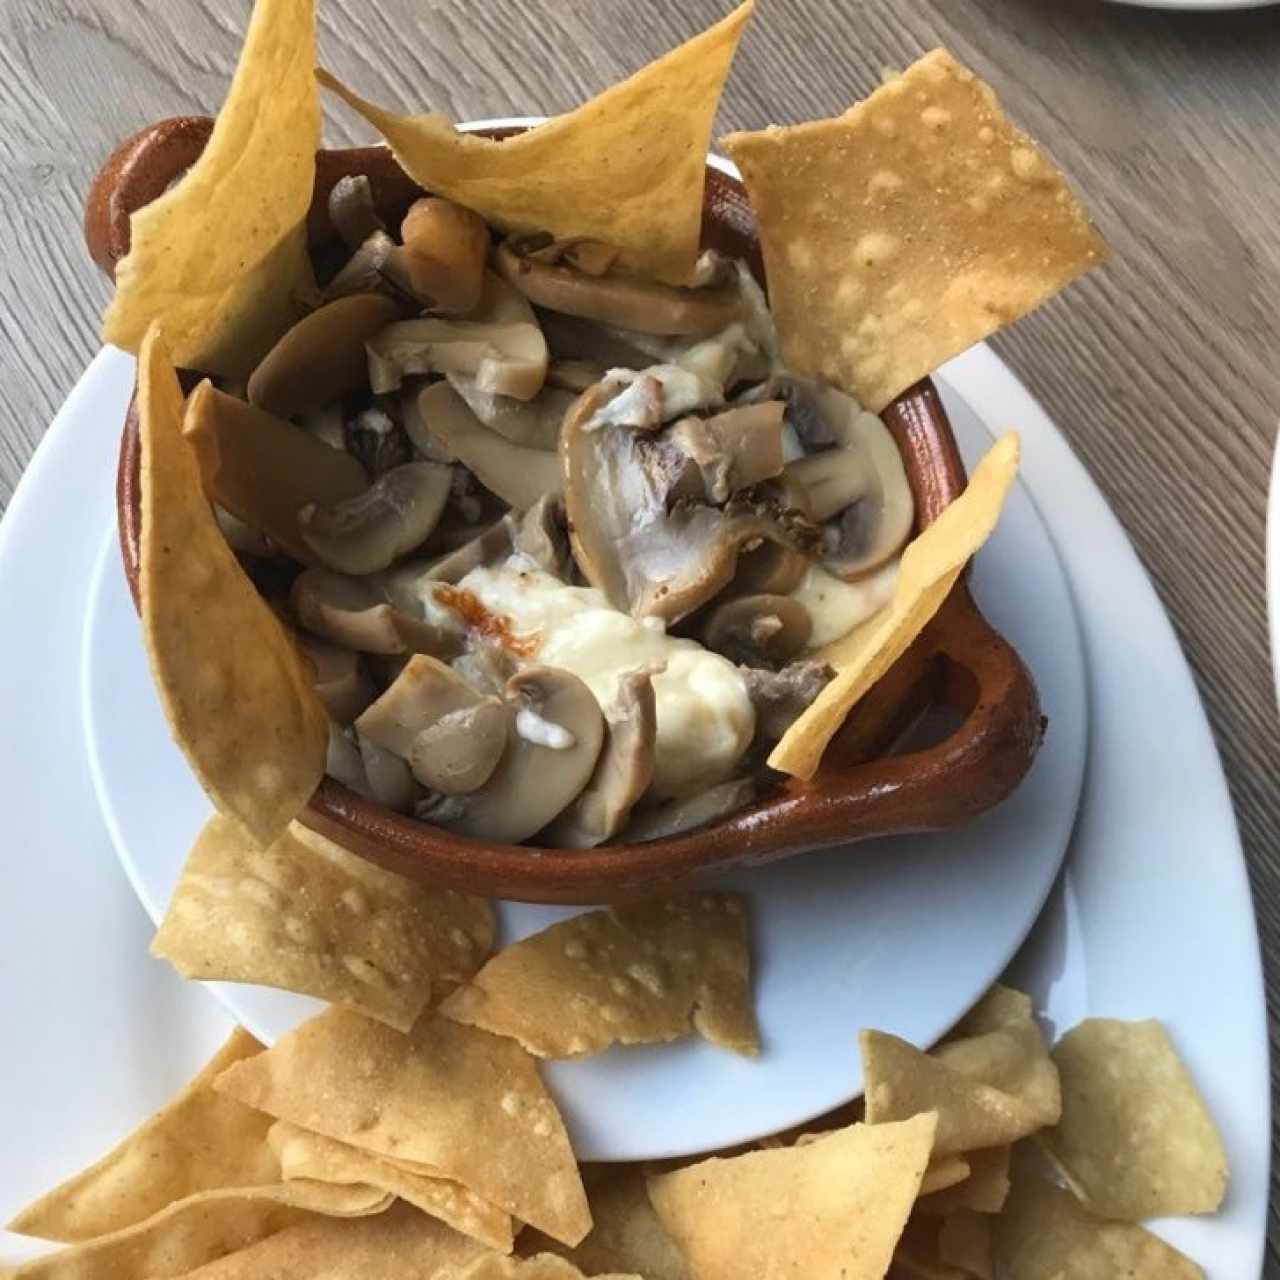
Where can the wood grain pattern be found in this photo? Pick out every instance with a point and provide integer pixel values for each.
(1164, 370)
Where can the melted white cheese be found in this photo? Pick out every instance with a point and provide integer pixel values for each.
(836, 606)
(704, 714)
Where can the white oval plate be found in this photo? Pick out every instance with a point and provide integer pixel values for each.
(902, 934)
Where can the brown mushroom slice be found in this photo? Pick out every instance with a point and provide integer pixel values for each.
(445, 247)
(264, 469)
(242, 538)
(772, 568)
(389, 777)
(630, 303)
(352, 210)
(622, 774)
(541, 537)
(372, 530)
(424, 691)
(550, 756)
(758, 630)
(340, 683)
(679, 816)
(574, 375)
(487, 547)
(592, 257)
(735, 449)
(533, 424)
(572, 338)
(377, 266)
(459, 752)
(322, 357)
(376, 439)
(499, 345)
(351, 612)
(519, 476)
(326, 424)
(781, 697)
(344, 763)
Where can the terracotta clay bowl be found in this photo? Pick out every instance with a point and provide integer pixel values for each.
(863, 789)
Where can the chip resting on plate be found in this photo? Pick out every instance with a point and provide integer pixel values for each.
(198, 1141)
(626, 975)
(1135, 1139)
(931, 566)
(458, 1102)
(1044, 1231)
(988, 1089)
(304, 1154)
(306, 915)
(626, 1234)
(220, 259)
(626, 168)
(902, 232)
(828, 1210)
(235, 689)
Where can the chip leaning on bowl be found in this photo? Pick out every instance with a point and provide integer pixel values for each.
(529, 519)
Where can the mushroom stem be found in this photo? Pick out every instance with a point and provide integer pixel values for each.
(445, 247)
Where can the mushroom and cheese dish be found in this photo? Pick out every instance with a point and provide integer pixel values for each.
(559, 540)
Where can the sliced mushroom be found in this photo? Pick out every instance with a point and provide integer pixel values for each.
(772, 568)
(488, 546)
(661, 393)
(377, 440)
(758, 630)
(459, 752)
(389, 776)
(374, 529)
(499, 345)
(519, 476)
(343, 761)
(542, 538)
(424, 691)
(860, 481)
(678, 816)
(264, 469)
(781, 697)
(572, 338)
(445, 247)
(340, 683)
(549, 759)
(592, 257)
(622, 774)
(573, 375)
(377, 266)
(633, 304)
(734, 449)
(326, 424)
(240, 537)
(352, 613)
(321, 358)
(534, 424)
(352, 211)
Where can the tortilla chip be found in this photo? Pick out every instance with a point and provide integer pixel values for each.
(626, 975)
(540, 1266)
(899, 234)
(1135, 1139)
(931, 566)
(304, 1154)
(829, 1208)
(468, 1105)
(943, 1172)
(204, 1226)
(305, 915)
(984, 1190)
(626, 168)
(235, 689)
(626, 1234)
(198, 1141)
(220, 259)
(988, 1090)
(400, 1244)
(1044, 1231)
(954, 1248)
(964, 1241)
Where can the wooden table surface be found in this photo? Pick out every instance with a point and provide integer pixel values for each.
(1164, 369)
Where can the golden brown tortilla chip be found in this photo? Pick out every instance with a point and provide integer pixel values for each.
(198, 1141)
(1135, 1139)
(191, 1232)
(469, 1105)
(400, 1244)
(829, 1208)
(1045, 1232)
(935, 1249)
(626, 1234)
(220, 259)
(540, 1266)
(233, 685)
(304, 1154)
(983, 1190)
(931, 566)
(943, 1173)
(626, 168)
(902, 232)
(305, 915)
(626, 975)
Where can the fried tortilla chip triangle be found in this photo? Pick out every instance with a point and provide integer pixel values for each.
(828, 1210)
(220, 259)
(539, 1266)
(468, 1105)
(626, 168)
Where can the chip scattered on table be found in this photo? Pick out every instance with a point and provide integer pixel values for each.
(1135, 1139)
(901, 233)
(828, 1210)
(220, 259)
(931, 565)
(626, 168)
(626, 975)
(306, 915)
(463, 1103)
